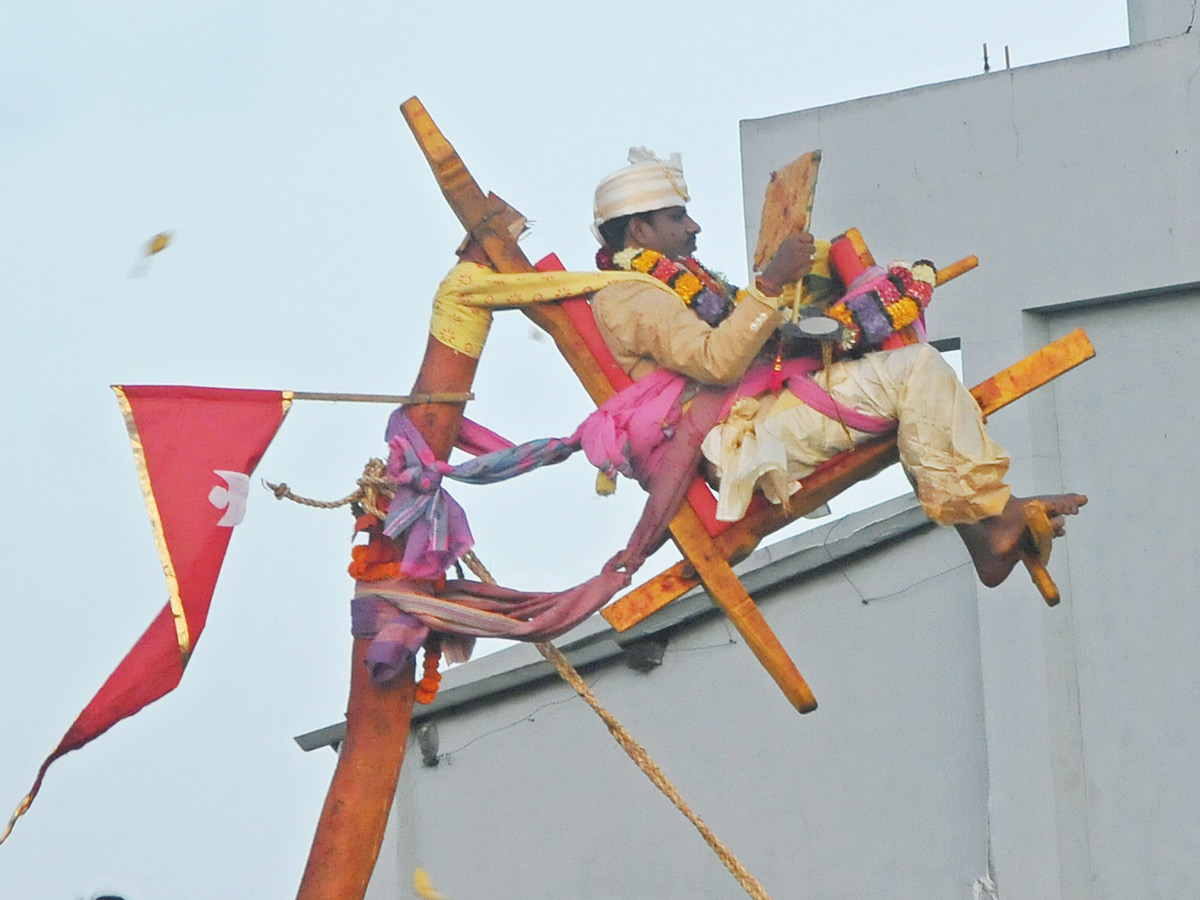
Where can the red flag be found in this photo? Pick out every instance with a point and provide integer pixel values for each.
(195, 449)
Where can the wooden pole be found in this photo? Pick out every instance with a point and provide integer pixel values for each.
(350, 830)
(393, 399)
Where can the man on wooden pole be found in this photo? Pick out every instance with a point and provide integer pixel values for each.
(696, 324)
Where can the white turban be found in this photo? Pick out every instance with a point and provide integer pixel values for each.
(646, 184)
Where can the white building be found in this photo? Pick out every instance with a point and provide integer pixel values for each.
(967, 738)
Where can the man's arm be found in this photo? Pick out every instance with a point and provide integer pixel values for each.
(646, 323)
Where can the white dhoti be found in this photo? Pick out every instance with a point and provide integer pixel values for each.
(774, 441)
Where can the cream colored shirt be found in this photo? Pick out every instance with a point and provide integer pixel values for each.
(647, 326)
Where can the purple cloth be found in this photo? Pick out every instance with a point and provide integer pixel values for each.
(396, 636)
(433, 524)
(392, 611)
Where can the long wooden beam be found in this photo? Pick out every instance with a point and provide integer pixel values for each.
(840, 473)
(711, 566)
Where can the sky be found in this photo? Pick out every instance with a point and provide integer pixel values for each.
(308, 239)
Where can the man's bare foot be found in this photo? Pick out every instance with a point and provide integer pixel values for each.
(995, 543)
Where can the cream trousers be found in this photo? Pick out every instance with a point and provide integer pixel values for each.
(774, 441)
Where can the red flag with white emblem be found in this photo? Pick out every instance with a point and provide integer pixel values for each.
(195, 449)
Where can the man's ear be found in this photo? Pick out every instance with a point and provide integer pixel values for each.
(639, 232)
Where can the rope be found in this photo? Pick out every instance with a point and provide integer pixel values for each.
(402, 400)
(826, 362)
(635, 750)
(373, 484)
(639, 755)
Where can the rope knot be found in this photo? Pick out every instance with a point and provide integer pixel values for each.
(428, 481)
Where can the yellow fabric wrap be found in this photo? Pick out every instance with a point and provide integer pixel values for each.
(459, 327)
(464, 300)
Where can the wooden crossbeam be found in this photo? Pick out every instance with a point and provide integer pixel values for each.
(711, 565)
(477, 213)
(840, 473)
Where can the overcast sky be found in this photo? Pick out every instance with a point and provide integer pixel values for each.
(309, 237)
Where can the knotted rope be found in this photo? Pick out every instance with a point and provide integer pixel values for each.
(635, 750)
(373, 484)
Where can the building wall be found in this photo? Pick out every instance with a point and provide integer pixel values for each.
(880, 792)
(1076, 183)
(1133, 564)
(1150, 20)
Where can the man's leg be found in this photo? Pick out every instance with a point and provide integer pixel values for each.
(956, 468)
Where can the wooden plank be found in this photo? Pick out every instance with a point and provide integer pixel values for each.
(952, 271)
(730, 594)
(476, 211)
(1033, 371)
(842, 471)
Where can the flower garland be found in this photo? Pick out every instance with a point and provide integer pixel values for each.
(431, 678)
(884, 312)
(377, 560)
(703, 292)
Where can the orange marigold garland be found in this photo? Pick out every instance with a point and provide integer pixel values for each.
(431, 678)
(884, 314)
(376, 560)
(704, 292)
(379, 560)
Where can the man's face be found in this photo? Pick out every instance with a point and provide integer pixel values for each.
(671, 231)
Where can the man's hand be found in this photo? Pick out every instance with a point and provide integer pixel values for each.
(791, 261)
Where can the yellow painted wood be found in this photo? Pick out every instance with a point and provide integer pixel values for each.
(1033, 371)
(730, 594)
(475, 210)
